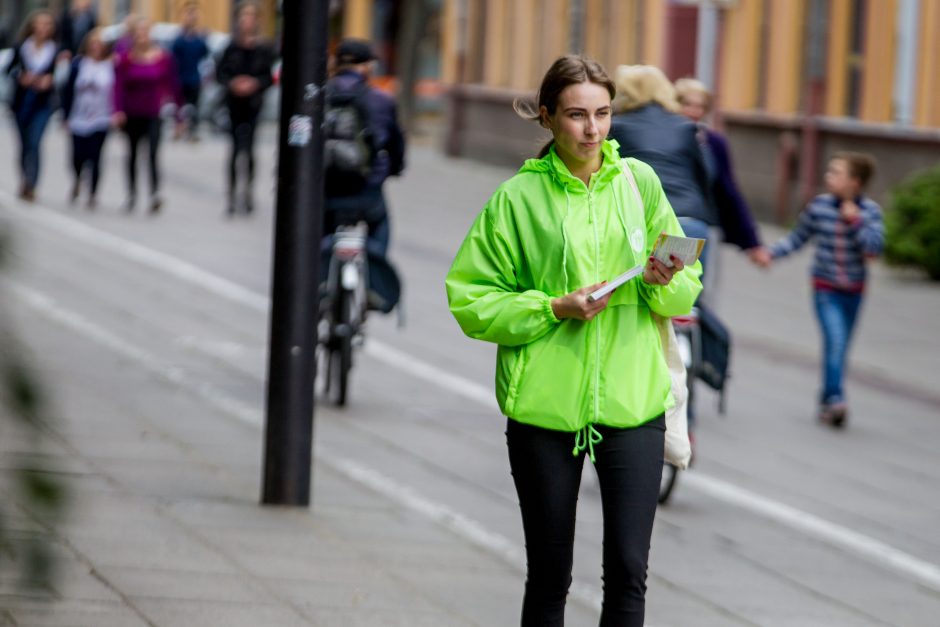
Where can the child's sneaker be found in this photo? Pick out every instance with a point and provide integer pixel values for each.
(834, 414)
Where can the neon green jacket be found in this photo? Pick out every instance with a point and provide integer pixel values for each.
(544, 234)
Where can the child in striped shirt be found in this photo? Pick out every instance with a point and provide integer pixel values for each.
(848, 230)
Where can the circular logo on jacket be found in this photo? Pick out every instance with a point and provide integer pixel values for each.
(638, 240)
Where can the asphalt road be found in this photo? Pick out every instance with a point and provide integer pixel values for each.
(781, 522)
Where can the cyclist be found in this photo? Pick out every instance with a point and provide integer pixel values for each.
(352, 68)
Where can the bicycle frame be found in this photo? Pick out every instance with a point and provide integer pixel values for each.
(343, 308)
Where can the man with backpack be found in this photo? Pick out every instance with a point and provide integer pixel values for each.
(364, 145)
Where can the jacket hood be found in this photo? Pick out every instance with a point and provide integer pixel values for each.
(552, 164)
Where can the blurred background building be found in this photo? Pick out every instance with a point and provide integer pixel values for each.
(794, 79)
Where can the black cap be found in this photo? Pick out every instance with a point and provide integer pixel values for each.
(353, 51)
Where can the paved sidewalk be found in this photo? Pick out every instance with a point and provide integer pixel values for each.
(165, 527)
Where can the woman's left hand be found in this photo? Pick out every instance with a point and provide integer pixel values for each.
(657, 273)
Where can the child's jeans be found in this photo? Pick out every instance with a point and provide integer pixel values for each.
(837, 312)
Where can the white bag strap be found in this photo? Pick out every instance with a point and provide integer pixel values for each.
(628, 173)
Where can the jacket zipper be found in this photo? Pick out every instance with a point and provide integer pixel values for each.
(597, 320)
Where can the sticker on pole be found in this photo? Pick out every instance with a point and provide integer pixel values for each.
(299, 130)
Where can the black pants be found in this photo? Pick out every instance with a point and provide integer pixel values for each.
(547, 477)
(191, 98)
(86, 151)
(243, 121)
(136, 129)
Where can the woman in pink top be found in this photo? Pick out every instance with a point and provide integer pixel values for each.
(144, 80)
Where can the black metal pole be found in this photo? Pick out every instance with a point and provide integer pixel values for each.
(298, 228)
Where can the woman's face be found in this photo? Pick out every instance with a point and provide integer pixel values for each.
(95, 47)
(580, 123)
(42, 27)
(694, 106)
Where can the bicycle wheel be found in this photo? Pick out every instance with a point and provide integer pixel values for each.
(668, 482)
(341, 350)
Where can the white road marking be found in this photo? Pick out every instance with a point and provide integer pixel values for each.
(871, 549)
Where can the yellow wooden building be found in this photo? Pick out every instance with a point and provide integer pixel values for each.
(794, 80)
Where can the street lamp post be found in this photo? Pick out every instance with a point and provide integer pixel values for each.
(298, 229)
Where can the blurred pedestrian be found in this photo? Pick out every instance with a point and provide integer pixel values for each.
(126, 40)
(848, 231)
(245, 73)
(734, 214)
(87, 108)
(145, 80)
(647, 126)
(575, 375)
(74, 25)
(32, 68)
(348, 198)
(190, 50)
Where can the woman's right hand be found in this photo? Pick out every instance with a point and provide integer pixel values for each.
(576, 305)
(118, 119)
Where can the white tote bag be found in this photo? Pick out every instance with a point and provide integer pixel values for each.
(678, 450)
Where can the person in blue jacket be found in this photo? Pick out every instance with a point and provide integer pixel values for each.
(190, 50)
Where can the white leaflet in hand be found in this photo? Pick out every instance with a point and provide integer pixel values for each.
(685, 248)
(614, 284)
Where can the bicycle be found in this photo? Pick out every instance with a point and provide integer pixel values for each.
(343, 308)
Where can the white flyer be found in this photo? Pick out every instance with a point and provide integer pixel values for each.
(687, 249)
(614, 284)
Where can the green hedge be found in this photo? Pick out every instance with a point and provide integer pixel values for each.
(912, 223)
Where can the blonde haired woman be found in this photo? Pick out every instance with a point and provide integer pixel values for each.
(640, 85)
(32, 69)
(87, 108)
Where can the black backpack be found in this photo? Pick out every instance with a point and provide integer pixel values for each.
(349, 146)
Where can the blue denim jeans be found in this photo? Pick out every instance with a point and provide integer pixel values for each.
(31, 123)
(837, 313)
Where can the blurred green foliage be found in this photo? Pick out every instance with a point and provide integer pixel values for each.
(912, 223)
(34, 497)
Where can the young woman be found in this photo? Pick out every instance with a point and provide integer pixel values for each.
(145, 79)
(575, 375)
(87, 105)
(32, 69)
